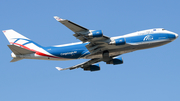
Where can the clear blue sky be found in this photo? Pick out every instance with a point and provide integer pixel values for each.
(146, 75)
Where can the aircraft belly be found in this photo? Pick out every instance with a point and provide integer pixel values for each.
(151, 45)
(112, 53)
(126, 49)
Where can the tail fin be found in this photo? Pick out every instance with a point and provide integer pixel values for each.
(17, 39)
(13, 36)
(20, 45)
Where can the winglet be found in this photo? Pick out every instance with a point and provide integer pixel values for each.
(58, 18)
(58, 68)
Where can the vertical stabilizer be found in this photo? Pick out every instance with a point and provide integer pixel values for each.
(19, 40)
(14, 36)
(21, 45)
(24, 48)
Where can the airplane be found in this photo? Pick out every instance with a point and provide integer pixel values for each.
(94, 46)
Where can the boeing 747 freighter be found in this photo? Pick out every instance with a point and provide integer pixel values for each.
(94, 46)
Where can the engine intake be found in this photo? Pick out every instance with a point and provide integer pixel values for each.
(120, 41)
(92, 68)
(97, 33)
(116, 61)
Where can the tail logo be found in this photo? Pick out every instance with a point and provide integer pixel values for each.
(23, 42)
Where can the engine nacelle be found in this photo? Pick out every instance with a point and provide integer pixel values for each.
(96, 33)
(116, 61)
(120, 41)
(95, 67)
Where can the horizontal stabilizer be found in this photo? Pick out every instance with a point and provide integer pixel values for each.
(15, 59)
(58, 68)
(19, 51)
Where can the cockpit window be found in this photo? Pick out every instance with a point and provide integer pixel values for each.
(163, 29)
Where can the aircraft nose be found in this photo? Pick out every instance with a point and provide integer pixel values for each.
(173, 36)
(176, 35)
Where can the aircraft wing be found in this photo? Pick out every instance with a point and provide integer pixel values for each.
(96, 43)
(83, 65)
(72, 26)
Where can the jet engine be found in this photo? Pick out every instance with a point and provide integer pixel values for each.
(116, 61)
(92, 68)
(96, 33)
(120, 41)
